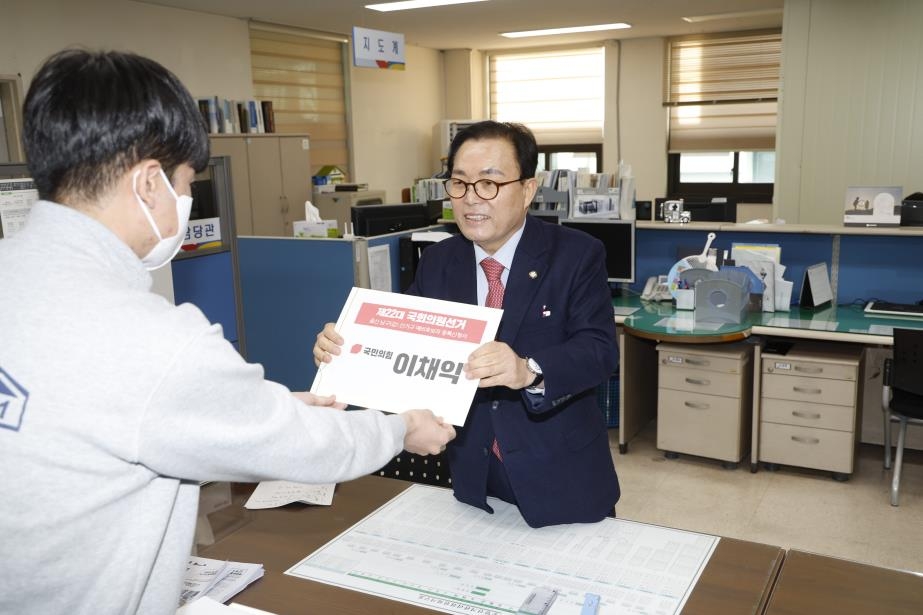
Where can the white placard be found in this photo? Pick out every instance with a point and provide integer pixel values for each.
(402, 352)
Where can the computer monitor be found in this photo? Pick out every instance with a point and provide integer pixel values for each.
(371, 220)
(554, 217)
(619, 238)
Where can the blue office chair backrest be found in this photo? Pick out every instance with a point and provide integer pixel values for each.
(908, 361)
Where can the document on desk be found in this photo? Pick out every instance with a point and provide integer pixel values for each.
(427, 549)
(275, 493)
(403, 352)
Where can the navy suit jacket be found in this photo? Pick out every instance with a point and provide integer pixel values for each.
(556, 309)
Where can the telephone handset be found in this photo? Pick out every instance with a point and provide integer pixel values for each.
(657, 289)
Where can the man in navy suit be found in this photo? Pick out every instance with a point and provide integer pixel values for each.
(535, 435)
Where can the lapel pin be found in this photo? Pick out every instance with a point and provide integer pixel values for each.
(533, 274)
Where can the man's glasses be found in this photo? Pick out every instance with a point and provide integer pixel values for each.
(484, 188)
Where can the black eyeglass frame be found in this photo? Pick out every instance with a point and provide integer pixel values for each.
(474, 184)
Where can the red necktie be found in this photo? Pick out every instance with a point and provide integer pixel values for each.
(493, 270)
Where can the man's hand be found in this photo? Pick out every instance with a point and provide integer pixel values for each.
(319, 400)
(328, 344)
(496, 364)
(427, 434)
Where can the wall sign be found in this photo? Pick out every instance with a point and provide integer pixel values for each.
(378, 49)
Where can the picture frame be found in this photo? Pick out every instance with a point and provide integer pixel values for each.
(872, 206)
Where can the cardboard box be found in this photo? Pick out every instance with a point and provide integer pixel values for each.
(328, 174)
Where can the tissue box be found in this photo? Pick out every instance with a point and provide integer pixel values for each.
(326, 228)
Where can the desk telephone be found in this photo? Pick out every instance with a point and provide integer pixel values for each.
(657, 289)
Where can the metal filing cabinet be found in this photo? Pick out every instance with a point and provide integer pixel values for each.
(704, 400)
(808, 409)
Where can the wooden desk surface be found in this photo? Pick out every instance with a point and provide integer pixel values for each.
(816, 584)
(737, 579)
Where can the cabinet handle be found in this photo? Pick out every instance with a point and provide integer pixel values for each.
(807, 391)
(699, 381)
(702, 362)
(804, 440)
(695, 406)
(801, 414)
(809, 370)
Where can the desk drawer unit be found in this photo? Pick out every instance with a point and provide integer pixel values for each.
(808, 407)
(704, 400)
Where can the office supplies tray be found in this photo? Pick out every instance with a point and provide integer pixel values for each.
(886, 308)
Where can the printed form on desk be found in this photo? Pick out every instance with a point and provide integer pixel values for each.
(425, 548)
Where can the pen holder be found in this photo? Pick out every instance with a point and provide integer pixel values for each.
(685, 298)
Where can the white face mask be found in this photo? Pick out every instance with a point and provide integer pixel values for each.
(167, 247)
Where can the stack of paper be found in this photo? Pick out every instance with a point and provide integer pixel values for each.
(219, 580)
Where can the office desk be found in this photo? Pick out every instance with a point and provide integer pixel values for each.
(816, 584)
(737, 579)
(654, 322)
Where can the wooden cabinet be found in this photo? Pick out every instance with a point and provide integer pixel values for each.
(704, 400)
(271, 180)
(808, 407)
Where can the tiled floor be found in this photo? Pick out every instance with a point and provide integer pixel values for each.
(791, 508)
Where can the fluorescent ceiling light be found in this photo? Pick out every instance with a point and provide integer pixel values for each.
(414, 4)
(719, 16)
(549, 31)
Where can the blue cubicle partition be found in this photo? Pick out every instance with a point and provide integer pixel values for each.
(656, 250)
(290, 288)
(883, 267)
(208, 282)
(863, 267)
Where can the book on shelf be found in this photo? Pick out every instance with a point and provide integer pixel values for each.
(226, 116)
(269, 117)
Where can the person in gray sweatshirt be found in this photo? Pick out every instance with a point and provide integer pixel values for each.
(114, 403)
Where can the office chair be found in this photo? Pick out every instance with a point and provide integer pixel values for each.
(902, 396)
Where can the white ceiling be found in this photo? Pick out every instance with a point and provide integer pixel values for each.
(477, 25)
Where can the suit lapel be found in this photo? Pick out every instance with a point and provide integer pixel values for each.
(530, 266)
(463, 288)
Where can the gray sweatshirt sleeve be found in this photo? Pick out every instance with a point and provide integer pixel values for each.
(214, 417)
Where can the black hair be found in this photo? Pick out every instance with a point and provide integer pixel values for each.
(521, 138)
(90, 116)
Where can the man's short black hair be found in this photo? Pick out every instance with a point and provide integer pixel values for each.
(521, 138)
(90, 116)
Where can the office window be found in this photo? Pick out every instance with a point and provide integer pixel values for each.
(721, 92)
(559, 93)
(571, 156)
(303, 74)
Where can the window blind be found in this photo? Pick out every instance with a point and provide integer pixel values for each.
(303, 75)
(722, 91)
(558, 94)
